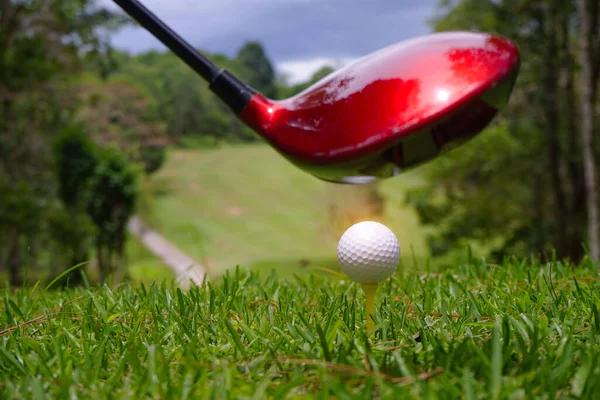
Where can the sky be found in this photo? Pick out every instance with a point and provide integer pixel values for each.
(299, 36)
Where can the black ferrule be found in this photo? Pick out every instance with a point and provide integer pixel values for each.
(235, 93)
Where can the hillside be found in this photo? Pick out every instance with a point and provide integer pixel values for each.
(247, 205)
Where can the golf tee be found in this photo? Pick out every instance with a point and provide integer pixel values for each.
(370, 289)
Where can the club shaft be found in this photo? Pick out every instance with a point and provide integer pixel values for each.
(169, 38)
(235, 93)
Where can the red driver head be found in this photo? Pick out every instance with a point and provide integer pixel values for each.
(392, 109)
(388, 111)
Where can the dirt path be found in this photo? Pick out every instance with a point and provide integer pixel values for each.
(186, 269)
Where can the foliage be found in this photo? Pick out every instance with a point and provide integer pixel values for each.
(113, 191)
(479, 194)
(183, 100)
(262, 75)
(58, 73)
(98, 187)
(117, 112)
(152, 158)
(519, 187)
(41, 43)
(475, 331)
(76, 159)
(72, 236)
(24, 211)
(185, 103)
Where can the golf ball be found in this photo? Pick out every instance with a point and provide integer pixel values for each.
(368, 252)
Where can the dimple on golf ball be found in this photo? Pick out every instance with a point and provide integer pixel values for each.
(369, 252)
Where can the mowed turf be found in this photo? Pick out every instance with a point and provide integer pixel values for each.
(246, 205)
(477, 331)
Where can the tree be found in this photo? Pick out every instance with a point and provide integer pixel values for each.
(113, 192)
(261, 72)
(41, 43)
(117, 112)
(175, 89)
(589, 56)
(75, 161)
(519, 187)
(183, 101)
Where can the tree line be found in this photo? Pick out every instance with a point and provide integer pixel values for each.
(72, 143)
(81, 124)
(192, 113)
(528, 184)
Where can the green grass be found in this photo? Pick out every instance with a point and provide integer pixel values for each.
(246, 205)
(478, 331)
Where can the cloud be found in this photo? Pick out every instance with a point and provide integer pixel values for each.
(294, 33)
(297, 71)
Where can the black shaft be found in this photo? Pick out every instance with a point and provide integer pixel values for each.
(230, 89)
(169, 38)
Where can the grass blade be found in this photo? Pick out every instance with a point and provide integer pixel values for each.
(65, 273)
(235, 336)
(496, 373)
(12, 361)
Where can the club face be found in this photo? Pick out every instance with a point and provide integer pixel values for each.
(393, 109)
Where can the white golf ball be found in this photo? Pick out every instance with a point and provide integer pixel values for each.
(369, 252)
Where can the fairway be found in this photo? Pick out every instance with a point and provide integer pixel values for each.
(246, 205)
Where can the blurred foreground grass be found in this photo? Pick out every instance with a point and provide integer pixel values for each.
(478, 331)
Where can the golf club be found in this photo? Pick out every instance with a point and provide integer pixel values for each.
(378, 116)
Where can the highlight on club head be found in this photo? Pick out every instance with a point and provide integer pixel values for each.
(393, 109)
(378, 116)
